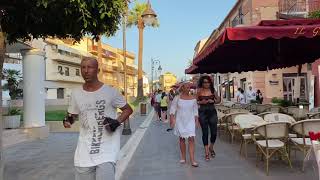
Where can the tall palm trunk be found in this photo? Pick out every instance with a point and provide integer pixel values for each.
(99, 50)
(140, 54)
(2, 54)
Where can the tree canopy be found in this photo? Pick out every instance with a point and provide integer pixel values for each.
(26, 19)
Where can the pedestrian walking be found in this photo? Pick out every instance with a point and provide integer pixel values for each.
(184, 118)
(242, 97)
(207, 97)
(158, 100)
(259, 96)
(164, 106)
(250, 95)
(99, 139)
(238, 95)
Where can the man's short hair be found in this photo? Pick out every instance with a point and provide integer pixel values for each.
(89, 58)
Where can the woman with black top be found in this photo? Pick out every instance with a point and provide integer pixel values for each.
(207, 97)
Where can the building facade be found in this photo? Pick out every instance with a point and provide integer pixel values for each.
(281, 83)
(167, 80)
(63, 58)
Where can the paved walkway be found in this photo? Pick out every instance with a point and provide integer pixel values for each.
(157, 158)
(49, 159)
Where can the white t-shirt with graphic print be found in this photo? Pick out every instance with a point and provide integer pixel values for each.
(96, 145)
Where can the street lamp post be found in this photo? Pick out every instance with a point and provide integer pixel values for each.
(153, 62)
(148, 17)
(126, 127)
(159, 70)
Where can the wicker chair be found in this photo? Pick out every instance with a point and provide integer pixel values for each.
(302, 128)
(246, 122)
(232, 127)
(275, 136)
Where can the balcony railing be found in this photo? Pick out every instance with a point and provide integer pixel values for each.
(298, 7)
(66, 58)
(107, 68)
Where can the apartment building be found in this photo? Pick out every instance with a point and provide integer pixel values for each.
(167, 80)
(281, 83)
(62, 67)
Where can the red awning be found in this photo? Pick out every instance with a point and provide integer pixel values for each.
(269, 45)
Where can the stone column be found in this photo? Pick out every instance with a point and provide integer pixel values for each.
(33, 88)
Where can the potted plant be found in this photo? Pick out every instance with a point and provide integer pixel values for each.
(12, 118)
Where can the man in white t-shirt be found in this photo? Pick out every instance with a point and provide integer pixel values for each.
(250, 95)
(99, 137)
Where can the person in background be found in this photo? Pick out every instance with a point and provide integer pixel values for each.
(259, 96)
(242, 97)
(184, 119)
(164, 106)
(207, 96)
(250, 95)
(158, 100)
(238, 94)
(171, 96)
(152, 99)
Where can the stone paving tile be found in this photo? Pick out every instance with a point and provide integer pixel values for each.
(49, 159)
(157, 158)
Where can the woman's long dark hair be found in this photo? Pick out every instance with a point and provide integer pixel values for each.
(205, 77)
(163, 95)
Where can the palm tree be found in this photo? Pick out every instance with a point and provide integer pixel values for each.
(135, 19)
(13, 78)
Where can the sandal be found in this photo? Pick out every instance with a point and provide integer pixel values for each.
(212, 152)
(182, 161)
(194, 164)
(207, 157)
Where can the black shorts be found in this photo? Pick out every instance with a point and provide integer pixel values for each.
(164, 108)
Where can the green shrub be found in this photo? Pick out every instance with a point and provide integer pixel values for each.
(276, 100)
(13, 112)
(282, 102)
(254, 102)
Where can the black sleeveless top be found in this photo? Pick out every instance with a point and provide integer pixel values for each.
(200, 98)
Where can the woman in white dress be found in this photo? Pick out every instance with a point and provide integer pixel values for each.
(184, 119)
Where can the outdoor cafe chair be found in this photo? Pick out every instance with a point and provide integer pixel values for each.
(300, 114)
(221, 124)
(303, 142)
(232, 127)
(262, 107)
(263, 114)
(247, 122)
(253, 107)
(235, 110)
(228, 103)
(279, 117)
(221, 108)
(274, 138)
(314, 115)
(275, 109)
(236, 105)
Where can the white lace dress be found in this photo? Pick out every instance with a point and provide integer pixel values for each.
(185, 112)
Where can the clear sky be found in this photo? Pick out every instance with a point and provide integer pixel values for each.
(182, 24)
